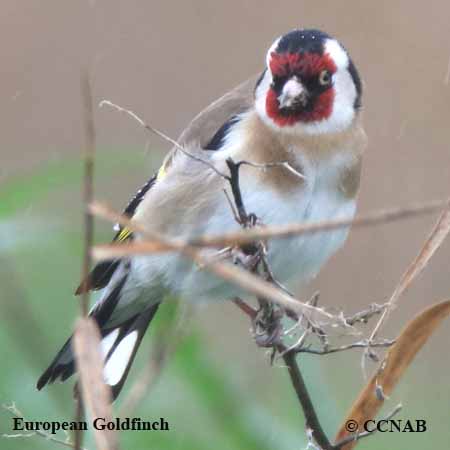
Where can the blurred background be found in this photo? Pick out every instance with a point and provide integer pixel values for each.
(166, 61)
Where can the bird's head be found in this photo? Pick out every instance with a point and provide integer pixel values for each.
(310, 85)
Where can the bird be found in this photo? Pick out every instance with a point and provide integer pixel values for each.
(299, 125)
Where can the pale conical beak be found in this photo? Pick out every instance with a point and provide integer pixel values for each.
(293, 93)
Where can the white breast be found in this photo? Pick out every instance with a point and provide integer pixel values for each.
(295, 259)
(300, 258)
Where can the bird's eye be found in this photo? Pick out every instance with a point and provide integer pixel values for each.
(325, 78)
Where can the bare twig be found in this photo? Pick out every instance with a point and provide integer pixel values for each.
(312, 421)
(283, 231)
(236, 191)
(95, 393)
(163, 136)
(249, 235)
(265, 166)
(271, 323)
(245, 307)
(86, 339)
(364, 316)
(88, 191)
(361, 344)
(88, 184)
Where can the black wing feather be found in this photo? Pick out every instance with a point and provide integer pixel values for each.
(101, 274)
(218, 139)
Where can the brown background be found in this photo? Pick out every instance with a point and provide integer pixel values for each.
(167, 60)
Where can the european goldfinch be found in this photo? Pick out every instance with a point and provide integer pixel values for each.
(304, 110)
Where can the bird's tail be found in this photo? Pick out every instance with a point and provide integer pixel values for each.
(119, 344)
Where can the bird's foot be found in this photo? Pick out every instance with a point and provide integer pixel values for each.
(267, 327)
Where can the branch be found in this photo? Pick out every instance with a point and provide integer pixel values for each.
(88, 184)
(86, 338)
(289, 230)
(365, 315)
(271, 323)
(298, 383)
(361, 344)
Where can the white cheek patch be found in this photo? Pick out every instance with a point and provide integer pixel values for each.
(343, 111)
(117, 364)
(260, 99)
(337, 53)
(344, 100)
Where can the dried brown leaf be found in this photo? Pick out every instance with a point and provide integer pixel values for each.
(96, 394)
(437, 236)
(434, 241)
(398, 358)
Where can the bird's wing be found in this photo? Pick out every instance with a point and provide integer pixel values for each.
(203, 127)
(101, 274)
(206, 130)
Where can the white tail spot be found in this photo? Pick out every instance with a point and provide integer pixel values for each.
(116, 365)
(108, 341)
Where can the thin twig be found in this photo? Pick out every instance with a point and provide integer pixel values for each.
(365, 315)
(289, 230)
(265, 166)
(236, 191)
(361, 344)
(272, 328)
(246, 236)
(312, 421)
(88, 193)
(88, 183)
(163, 136)
(245, 307)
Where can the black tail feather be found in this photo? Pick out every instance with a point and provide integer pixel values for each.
(140, 325)
(55, 370)
(64, 370)
(63, 365)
